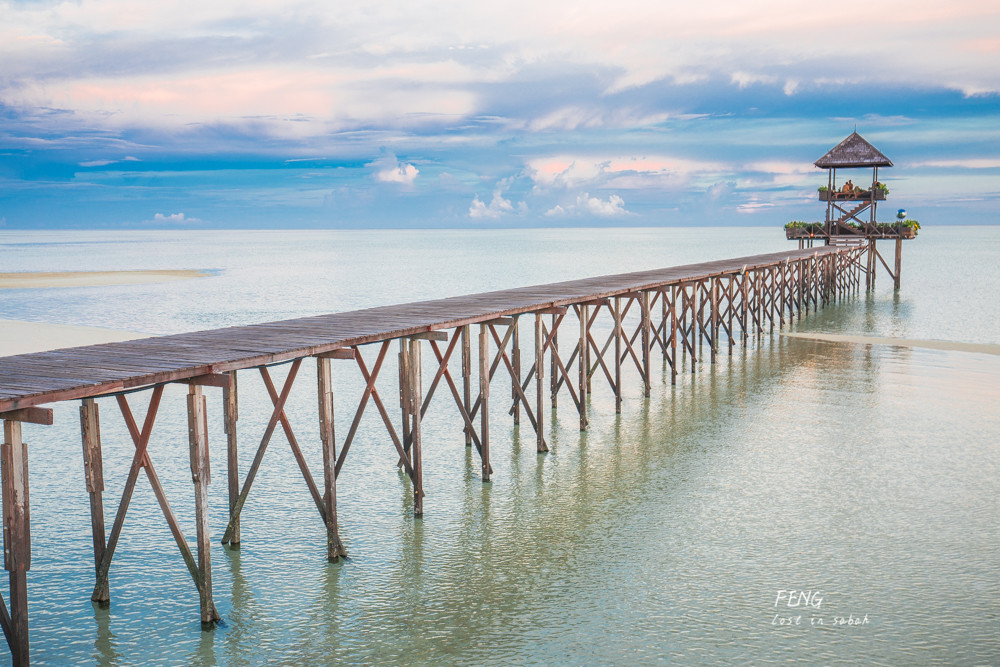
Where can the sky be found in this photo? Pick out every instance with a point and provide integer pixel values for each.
(254, 114)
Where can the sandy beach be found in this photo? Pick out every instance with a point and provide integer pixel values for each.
(17, 337)
(30, 280)
(981, 348)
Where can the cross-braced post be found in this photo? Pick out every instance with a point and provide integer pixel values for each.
(646, 324)
(467, 379)
(201, 477)
(714, 300)
(466, 410)
(17, 528)
(327, 434)
(93, 470)
(618, 354)
(278, 416)
(554, 360)
(515, 371)
(404, 389)
(484, 401)
(583, 347)
(230, 411)
(899, 263)
(414, 375)
(540, 383)
(198, 429)
(673, 334)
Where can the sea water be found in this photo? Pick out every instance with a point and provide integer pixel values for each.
(797, 501)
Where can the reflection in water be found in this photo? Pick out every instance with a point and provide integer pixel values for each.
(662, 534)
(107, 652)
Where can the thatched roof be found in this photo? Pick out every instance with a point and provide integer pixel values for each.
(853, 151)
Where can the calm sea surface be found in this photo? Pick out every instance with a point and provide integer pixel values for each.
(868, 475)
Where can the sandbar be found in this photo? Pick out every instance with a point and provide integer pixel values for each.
(37, 279)
(17, 337)
(982, 348)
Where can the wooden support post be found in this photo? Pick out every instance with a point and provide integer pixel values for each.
(715, 316)
(583, 366)
(818, 282)
(783, 302)
(673, 334)
(93, 470)
(665, 323)
(539, 384)
(467, 378)
(695, 323)
(873, 251)
(484, 400)
(515, 343)
(201, 476)
(553, 369)
(618, 354)
(810, 279)
(803, 286)
(327, 435)
(404, 389)
(730, 310)
(744, 306)
(585, 349)
(16, 537)
(415, 373)
(230, 416)
(774, 298)
(899, 263)
(758, 301)
(646, 325)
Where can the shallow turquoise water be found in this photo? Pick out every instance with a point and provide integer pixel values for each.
(866, 474)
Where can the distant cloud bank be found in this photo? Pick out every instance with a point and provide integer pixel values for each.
(456, 113)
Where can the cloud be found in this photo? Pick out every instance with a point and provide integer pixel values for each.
(388, 169)
(753, 205)
(720, 191)
(969, 163)
(174, 219)
(104, 163)
(498, 205)
(401, 66)
(605, 209)
(621, 172)
(613, 206)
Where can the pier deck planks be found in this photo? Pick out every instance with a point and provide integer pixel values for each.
(43, 377)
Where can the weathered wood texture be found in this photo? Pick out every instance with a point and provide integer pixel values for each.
(33, 379)
(16, 538)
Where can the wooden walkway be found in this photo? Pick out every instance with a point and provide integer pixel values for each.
(684, 311)
(44, 377)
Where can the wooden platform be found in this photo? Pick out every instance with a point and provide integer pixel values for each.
(33, 379)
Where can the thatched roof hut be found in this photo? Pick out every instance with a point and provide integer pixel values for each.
(854, 151)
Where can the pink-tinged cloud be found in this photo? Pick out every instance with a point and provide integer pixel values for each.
(382, 62)
(622, 171)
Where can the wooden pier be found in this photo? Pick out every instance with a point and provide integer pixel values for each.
(698, 311)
